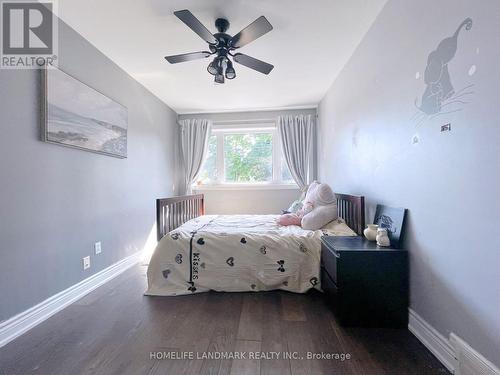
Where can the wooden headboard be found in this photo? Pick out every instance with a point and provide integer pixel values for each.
(352, 209)
(173, 212)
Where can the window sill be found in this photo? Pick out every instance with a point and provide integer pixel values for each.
(246, 187)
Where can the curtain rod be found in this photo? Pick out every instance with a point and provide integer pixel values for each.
(250, 121)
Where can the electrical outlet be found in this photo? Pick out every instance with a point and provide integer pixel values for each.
(97, 248)
(86, 262)
(446, 128)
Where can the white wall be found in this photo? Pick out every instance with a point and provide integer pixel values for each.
(268, 201)
(449, 181)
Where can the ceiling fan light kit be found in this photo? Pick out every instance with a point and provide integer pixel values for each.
(223, 45)
(230, 72)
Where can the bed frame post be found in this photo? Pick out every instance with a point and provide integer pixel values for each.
(159, 221)
(361, 213)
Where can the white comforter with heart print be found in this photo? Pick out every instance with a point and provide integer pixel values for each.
(238, 253)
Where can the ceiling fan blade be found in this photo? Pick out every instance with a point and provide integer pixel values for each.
(253, 63)
(187, 57)
(194, 24)
(253, 31)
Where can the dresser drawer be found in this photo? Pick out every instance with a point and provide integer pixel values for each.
(365, 285)
(327, 284)
(330, 262)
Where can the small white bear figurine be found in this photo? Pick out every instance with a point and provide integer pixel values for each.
(382, 237)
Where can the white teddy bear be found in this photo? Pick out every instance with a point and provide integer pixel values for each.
(322, 206)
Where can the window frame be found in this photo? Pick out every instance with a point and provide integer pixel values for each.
(255, 128)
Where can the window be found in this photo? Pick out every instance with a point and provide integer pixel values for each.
(244, 155)
(208, 172)
(248, 157)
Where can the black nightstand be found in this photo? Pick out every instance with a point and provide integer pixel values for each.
(367, 285)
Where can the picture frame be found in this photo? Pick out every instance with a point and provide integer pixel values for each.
(392, 219)
(75, 115)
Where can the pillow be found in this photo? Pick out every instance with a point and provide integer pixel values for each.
(319, 216)
(288, 219)
(295, 206)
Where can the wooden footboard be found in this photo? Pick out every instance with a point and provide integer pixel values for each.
(173, 212)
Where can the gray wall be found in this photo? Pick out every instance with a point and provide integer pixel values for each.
(55, 202)
(448, 181)
(249, 201)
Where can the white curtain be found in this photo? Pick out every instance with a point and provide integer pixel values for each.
(194, 134)
(296, 134)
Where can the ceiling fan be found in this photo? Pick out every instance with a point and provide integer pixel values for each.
(223, 46)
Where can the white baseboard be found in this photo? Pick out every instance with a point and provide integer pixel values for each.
(469, 361)
(455, 354)
(432, 339)
(21, 323)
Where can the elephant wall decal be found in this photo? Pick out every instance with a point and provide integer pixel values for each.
(439, 92)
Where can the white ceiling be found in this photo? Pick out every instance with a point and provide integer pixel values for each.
(309, 45)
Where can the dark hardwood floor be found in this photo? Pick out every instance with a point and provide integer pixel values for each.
(114, 330)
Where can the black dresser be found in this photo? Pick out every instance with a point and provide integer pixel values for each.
(367, 285)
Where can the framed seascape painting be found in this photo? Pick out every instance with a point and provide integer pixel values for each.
(78, 116)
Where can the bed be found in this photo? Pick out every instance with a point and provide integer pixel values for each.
(236, 253)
